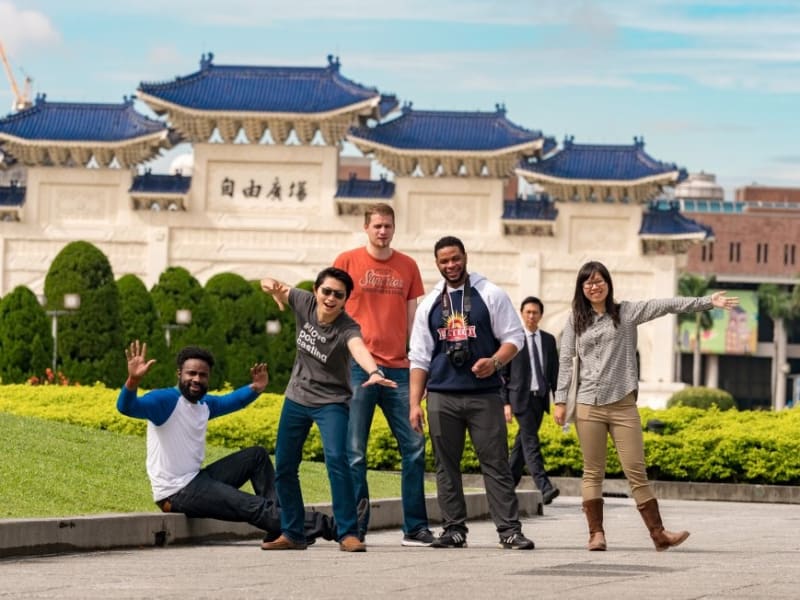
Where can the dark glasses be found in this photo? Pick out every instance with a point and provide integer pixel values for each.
(338, 294)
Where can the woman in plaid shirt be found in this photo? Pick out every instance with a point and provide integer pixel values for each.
(605, 332)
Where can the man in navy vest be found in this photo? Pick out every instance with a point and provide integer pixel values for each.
(530, 378)
(464, 331)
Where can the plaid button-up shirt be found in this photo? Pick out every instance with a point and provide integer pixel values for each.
(607, 354)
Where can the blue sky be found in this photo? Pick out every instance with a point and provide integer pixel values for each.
(713, 86)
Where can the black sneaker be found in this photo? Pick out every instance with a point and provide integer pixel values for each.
(421, 537)
(515, 541)
(451, 538)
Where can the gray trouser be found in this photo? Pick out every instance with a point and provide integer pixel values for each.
(450, 416)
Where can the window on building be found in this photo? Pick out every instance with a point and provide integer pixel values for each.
(707, 252)
(788, 254)
(735, 252)
(762, 253)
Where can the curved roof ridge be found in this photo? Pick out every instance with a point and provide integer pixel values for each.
(80, 121)
(254, 88)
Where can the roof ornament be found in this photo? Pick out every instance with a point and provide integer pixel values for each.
(638, 141)
(127, 100)
(500, 108)
(40, 98)
(206, 61)
(333, 63)
(407, 106)
(568, 141)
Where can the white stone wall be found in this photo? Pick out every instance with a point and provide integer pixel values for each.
(224, 229)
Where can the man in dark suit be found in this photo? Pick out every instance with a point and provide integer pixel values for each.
(529, 380)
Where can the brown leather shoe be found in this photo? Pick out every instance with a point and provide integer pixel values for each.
(352, 544)
(283, 543)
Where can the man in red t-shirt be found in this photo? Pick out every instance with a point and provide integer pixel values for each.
(384, 300)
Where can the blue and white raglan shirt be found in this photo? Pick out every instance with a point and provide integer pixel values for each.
(176, 431)
(492, 321)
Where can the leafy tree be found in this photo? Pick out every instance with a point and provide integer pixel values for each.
(780, 305)
(241, 315)
(26, 346)
(177, 290)
(140, 322)
(694, 286)
(90, 342)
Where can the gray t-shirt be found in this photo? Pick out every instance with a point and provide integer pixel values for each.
(321, 372)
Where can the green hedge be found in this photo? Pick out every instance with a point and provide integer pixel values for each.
(696, 444)
(702, 397)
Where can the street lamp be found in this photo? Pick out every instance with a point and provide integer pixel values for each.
(183, 318)
(72, 302)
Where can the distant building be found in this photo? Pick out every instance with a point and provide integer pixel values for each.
(756, 240)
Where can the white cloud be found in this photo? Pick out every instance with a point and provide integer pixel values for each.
(20, 28)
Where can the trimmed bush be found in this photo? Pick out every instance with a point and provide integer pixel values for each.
(702, 397)
(90, 339)
(696, 444)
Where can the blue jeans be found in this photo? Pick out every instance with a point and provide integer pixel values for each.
(394, 404)
(293, 428)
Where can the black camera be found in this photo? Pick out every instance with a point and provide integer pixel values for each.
(458, 353)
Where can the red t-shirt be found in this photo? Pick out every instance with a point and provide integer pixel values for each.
(382, 289)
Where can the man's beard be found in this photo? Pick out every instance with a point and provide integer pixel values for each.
(191, 396)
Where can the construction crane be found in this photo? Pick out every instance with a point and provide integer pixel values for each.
(22, 99)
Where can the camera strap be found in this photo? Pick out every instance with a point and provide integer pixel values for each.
(466, 303)
(447, 306)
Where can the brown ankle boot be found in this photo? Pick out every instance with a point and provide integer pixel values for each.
(662, 538)
(594, 516)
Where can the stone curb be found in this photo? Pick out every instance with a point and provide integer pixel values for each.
(26, 537)
(673, 490)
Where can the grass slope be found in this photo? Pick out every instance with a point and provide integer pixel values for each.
(52, 469)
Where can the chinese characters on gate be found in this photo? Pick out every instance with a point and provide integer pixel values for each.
(296, 190)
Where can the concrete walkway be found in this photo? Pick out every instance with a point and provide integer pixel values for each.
(736, 550)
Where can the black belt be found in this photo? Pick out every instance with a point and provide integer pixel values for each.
(165, 505)
(537, 395)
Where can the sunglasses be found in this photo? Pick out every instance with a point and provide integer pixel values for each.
(338, 294)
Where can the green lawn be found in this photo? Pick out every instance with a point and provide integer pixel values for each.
(52, 469)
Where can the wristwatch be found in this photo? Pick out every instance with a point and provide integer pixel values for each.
(497, 364)
(379, 371)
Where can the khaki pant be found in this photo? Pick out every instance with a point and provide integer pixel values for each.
(621, 420)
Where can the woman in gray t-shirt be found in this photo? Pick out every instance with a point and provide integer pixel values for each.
(319, 392)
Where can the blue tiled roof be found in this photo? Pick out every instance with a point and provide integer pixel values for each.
(161, 184)
(79, 122)
(364, 188)
(664, 218)
(12, 195)
(265, 89)
(448, 130)
(539, 208)
(602, 162)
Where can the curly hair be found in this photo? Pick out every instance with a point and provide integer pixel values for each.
(190, 352)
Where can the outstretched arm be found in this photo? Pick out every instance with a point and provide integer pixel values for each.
(279, 291)
(358, 349)
(138, 365)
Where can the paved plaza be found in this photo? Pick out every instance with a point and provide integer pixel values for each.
(736, 550)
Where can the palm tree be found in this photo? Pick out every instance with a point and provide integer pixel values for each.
(694, 286)
(780, 304)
